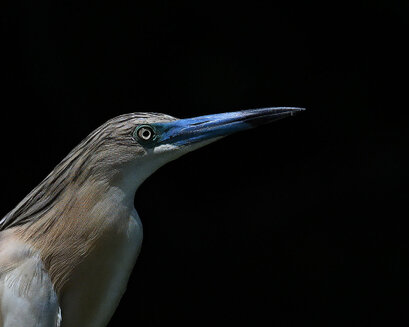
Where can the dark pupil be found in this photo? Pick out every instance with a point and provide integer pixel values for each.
(146, 133)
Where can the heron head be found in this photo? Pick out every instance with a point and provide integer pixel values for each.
(139, 143)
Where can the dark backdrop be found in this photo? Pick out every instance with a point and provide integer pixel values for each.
(302, 222)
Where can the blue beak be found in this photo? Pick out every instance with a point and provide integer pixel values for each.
(192, 130)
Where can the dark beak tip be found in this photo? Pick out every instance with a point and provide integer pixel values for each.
(296, 111)
(287, 111)
(293, 111)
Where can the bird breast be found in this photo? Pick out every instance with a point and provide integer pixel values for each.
(92, 294)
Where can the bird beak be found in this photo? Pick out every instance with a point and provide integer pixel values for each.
(184, 132)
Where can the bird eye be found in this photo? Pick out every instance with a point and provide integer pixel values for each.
(145, 133)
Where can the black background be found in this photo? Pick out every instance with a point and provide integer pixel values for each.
(302, 222)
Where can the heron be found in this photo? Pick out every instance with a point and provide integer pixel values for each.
(68, 248)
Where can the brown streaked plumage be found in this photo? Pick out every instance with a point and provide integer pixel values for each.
(83, 161)
(60, 220)
(55, 218)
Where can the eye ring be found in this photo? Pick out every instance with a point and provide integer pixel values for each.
(145, 133)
